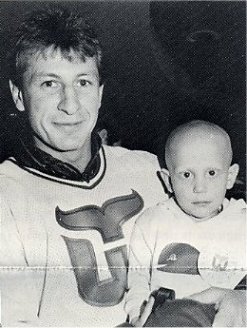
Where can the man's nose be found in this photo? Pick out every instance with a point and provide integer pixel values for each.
(69, 102)
(200, 185)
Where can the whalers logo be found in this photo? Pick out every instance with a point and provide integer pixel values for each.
(108, 220)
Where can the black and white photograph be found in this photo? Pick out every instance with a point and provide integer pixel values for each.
(123, 163)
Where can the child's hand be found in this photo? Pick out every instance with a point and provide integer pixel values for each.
(139, 321)
(135, 322)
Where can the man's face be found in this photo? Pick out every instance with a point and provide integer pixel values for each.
(62, 99)
(200, 175)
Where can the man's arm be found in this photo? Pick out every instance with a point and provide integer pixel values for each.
(230, 306)
(18, 290)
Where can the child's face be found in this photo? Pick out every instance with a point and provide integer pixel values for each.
(200, 175)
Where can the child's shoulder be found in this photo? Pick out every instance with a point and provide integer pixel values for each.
(159, 212)
(234, 212)
(235, 205)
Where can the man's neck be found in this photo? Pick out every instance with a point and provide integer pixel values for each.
(78, 158)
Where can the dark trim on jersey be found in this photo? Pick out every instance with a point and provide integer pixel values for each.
(242, 284)
(27, 154)
(75, 183)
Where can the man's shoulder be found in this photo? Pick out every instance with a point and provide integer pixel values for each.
(7, 166)
(11, 182)
(135, 157)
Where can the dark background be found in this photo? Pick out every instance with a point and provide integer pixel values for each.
(167, 61)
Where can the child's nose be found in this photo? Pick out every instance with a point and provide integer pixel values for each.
(200, 185)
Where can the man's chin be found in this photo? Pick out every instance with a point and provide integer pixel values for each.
(60, 147)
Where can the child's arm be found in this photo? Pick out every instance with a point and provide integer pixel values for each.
(140, 262)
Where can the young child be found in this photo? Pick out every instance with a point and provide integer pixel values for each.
(196, 239)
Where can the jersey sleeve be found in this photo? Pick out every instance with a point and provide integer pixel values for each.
(18, 293)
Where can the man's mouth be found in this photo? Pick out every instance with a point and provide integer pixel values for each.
(67, 123)
(68, 127)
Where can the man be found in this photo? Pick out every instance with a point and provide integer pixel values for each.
(68, 203)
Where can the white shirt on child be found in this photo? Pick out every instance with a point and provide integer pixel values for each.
(171, 249)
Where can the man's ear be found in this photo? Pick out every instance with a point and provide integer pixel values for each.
(17, 96)
(232, 175)
(101, 89)
(165, 176)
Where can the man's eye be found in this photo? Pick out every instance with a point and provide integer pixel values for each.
(49, 84)
(84, 83)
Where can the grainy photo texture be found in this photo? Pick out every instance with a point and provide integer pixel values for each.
(122, 163)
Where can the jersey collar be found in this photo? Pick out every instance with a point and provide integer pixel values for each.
(31, 157)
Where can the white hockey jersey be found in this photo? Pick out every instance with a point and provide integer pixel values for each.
(64, 243)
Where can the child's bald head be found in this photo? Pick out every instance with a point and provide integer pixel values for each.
(200, 132)
(198, 157)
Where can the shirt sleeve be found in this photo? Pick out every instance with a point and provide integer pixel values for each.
(140, 263)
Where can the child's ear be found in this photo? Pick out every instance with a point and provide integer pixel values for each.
(232, 175)
(17, 96)
(165, 176)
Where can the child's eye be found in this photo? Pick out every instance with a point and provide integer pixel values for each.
(212, 173)
(186, 175)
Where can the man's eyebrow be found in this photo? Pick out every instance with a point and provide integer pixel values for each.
(41, 74)
(90, 73)
(53, 75)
